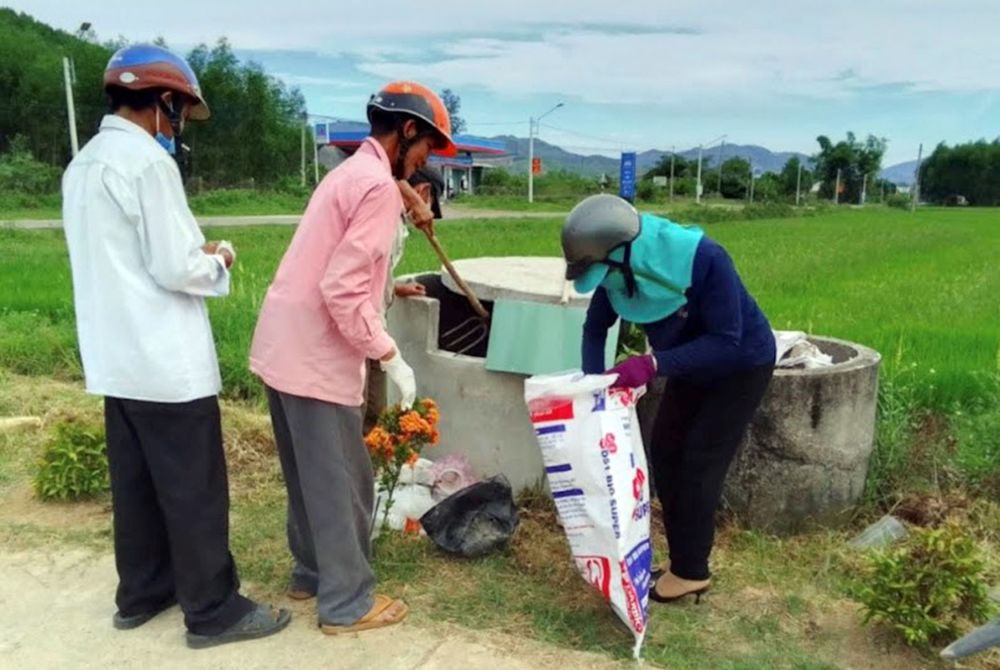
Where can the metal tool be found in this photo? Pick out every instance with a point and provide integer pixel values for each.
(472, 332)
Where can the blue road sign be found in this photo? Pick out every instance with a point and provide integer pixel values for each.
(627, 182)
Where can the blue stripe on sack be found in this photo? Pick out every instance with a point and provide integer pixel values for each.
(558, 468)
(549, 430)
(568, 493)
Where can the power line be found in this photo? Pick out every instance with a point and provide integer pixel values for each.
(578, 147)
(616, 142)
(494, 123)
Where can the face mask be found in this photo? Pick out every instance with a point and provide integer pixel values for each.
(167, 143)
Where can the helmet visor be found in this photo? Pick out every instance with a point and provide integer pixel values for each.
(586, 279)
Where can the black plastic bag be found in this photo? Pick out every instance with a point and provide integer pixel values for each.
(474, 521)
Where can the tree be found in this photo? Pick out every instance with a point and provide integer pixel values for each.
(789, 178)
(453, 103)
(854, 160)
(767, 188)
(709, 181)
(255, 129)
(735, 178)
(971, 170)
(33, 102)
(253, 135)
(682, 167)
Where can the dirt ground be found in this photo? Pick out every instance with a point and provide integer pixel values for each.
(57, 605)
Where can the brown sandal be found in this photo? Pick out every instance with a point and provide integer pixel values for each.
(385, 611)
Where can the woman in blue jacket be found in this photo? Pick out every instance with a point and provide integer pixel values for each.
(708, 338)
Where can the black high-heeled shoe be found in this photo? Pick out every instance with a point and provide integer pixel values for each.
(697, 593)
(654, 577)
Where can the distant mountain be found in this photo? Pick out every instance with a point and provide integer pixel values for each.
(555, 158)
(900, 174)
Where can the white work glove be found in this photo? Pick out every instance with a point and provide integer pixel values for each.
(227, 245)
(402, 376)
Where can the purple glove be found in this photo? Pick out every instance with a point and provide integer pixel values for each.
(635, 371)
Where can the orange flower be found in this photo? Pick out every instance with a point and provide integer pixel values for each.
(414, 425)
(435, 437)
(433, 416)
(414, 457)
(377, 439)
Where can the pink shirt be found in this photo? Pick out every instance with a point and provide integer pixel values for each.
(321, 318)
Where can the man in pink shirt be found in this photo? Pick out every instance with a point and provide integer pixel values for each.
(319, 324)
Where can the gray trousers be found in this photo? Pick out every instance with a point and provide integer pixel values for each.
(330, 483)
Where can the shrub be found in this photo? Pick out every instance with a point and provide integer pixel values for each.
(927, 588)
(21, 173)
(898, 200)
(770, 210)
(646, 190)
(75, 464)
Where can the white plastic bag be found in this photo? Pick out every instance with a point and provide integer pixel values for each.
(420, 473)
(793, 348)
(596, 467)
(450, 475)
(409, 503)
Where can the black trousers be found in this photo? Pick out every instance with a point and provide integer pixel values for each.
(697, 432)
(170, 497)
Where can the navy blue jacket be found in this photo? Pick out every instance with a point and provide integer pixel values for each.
(720, 331)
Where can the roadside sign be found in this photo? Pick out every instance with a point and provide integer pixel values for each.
(322, 136)
(627, 187)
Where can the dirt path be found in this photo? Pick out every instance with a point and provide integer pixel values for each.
(56, 606)
(449, 212)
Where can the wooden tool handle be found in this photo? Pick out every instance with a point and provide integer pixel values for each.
(473, 300)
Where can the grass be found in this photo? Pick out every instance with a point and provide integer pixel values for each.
(516, 203)
(29, 206)
(920, 289)
(776, 603)
(220, 202)
(245, 202)
(561, 204)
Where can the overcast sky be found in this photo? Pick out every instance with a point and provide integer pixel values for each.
(634, 74)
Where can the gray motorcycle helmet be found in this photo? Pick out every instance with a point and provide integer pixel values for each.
(596, 226)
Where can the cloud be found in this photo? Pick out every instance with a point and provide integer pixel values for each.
(738, 56)
(326, 82)
(647, 51)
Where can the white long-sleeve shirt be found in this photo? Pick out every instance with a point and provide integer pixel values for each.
(139, 273)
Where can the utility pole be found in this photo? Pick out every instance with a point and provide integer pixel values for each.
(673, 155)
(751, 183)
(303, 168)
(74, 142)
(864, 189)
(798, 185)
(915, 196)
(531, 159)
(697, 183)
(718, 186)
(836, 189)
(697, 186)
(532, 128)
(315, 155)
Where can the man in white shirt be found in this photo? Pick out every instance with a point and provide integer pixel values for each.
(141, 270)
